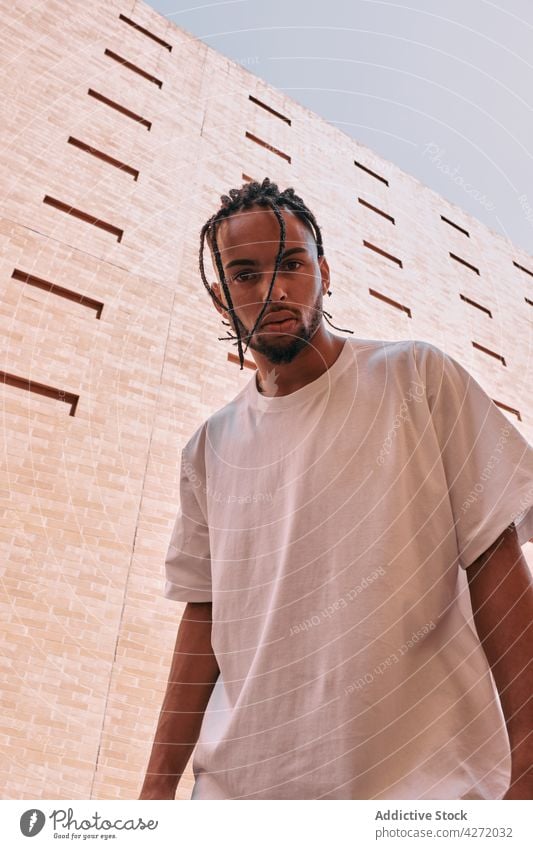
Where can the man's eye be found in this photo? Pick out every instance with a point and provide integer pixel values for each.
(251, 276)
(245, 276)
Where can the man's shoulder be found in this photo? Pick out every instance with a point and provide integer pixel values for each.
(397, 350)
(393, 353)
(217, 419)
(407, 361)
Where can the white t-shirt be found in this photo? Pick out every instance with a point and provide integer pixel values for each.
(331, 528)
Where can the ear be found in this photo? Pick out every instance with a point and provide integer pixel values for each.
(216, 288)
(324, 273)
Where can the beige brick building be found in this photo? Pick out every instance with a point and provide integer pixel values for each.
(119, 133)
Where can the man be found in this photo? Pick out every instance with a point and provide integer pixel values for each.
(340, 521)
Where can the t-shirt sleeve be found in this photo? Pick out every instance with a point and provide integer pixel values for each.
(188, 559)
(487, 462)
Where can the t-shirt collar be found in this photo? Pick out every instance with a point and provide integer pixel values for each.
(314, 387)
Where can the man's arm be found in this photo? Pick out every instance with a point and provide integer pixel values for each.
(501, 590)
(193, 674)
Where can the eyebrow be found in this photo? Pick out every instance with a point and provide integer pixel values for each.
(287, 253)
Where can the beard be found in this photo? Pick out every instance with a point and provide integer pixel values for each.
(283, 348)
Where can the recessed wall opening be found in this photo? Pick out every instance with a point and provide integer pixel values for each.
(233, 358)
(369, 171)
(390, 301)
(523, 268)
(119, 108)
(508, 409)
(381, 252)
(475, 304)
(456, 226)
(52, 392)
(84, 216)
(146, 32)
(268, 146)
(98, 154)
(134, 68)
(489, 352)
(376, 209)
(464, 262)
(269, 109)
(60, 291)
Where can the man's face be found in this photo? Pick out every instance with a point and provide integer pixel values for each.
(248, 242)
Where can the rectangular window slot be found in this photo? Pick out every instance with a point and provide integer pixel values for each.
(453, 224)
(390, 301)
(247, 179)
(521, 267)
(528, 302)
(60, 291)
(372, 173)
(509, 409)
(267, 146)
(41, 389)
(133, 67)
(104, 157)
(122, 109)
(84, 216)
(233, 358)
(269, 109)
(383, 253)
(464, 262)
(146, 32)
(474, 304)
(375, 209)
(489, 352)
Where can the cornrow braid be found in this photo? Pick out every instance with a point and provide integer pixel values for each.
(250, 194)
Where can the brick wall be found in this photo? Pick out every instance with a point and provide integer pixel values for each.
(111, 356)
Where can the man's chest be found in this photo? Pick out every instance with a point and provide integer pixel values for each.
(361, 472)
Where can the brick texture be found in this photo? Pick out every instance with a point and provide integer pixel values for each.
(87, 501)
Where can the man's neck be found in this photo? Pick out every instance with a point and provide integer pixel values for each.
(327, 356)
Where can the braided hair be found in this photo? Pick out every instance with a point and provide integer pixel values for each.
(261, 194)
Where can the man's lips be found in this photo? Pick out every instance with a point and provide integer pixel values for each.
(277, 317)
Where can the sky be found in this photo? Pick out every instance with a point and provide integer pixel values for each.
(443, 90)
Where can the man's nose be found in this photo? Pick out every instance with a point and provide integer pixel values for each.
(279, 288)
